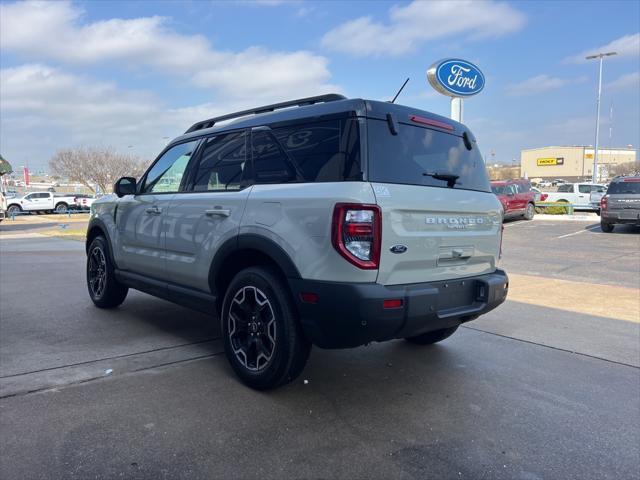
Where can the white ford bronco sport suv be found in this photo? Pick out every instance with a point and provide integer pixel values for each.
(327, 221)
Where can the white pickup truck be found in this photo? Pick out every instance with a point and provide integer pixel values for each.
(40, 202)
(577, 194)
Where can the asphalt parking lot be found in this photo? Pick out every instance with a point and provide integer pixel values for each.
(545, 387)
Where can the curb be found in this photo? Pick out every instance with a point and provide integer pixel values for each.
(568, 218)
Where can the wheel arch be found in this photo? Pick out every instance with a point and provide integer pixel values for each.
(246, 251)
(95, 229)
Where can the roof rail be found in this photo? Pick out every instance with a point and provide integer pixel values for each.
(329, 97)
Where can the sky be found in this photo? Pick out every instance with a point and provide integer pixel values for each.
(133, 75)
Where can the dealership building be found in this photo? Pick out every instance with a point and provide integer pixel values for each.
(571, 163)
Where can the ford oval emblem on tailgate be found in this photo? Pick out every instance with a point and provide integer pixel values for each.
(398, 249)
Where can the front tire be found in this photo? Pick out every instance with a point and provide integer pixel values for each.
(606, 227)
(430, 338)
(105, 291)
(263, 340)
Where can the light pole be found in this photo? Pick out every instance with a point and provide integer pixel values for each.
(594, 177)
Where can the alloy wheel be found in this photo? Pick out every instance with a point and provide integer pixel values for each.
(97, 272)
(252, 328)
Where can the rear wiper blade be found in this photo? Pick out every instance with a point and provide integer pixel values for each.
(450, 178)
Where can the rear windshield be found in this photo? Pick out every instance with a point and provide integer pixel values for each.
(406, 157)
(625, 187)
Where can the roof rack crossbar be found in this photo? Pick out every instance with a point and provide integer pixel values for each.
(330, 97)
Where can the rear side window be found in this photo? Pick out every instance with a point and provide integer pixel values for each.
(327, 151)
(584, 188)
(323, 151)
(222, 163)
(415, 151)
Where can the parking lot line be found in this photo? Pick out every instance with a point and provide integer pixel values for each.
(595, 227)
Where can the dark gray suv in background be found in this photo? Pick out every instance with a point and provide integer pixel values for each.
(621, 203)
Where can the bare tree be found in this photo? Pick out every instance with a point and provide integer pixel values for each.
(628, 168)
(95, 166)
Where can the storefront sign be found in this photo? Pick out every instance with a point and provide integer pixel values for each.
(456, 78)
(544, 162)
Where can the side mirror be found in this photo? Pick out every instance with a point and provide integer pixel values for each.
(125, 186)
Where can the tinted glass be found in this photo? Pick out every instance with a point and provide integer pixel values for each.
(327, 151)
(566, 188)
(500, 189)
(523, 187)
(584, 188)
(223, 163)
(406, 157)
(631, 187)
(270, 162)
(166, 174)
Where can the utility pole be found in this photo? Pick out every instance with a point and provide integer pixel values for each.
(594, 177)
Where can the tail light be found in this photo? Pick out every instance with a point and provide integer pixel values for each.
(603, 202)
(356, 233)
(543, 197)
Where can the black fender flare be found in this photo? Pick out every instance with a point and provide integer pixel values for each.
(99, 224)
(252, 241)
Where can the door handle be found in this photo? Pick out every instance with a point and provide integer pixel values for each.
(218, 212)
(154, 210)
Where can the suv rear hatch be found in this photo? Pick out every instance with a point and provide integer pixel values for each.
(624, 196)
(440, 220)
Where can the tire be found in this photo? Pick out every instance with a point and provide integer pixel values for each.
(14, 208)
(606, 227)
(62, 207)
(105, 291)
(258, 314)
(529, 212)
(430, 338)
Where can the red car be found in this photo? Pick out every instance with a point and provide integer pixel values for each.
(516, 196)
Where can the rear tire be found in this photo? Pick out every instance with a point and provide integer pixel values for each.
(606, 227)
(62, 207)
(430, 338)
(14, 208)
(529, 212)
(105, 291)
(263, 340)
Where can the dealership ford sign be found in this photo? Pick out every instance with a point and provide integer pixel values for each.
(456, 78)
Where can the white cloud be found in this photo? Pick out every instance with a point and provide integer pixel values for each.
(44, 109)
(629, 80)
(420, 21)
(56, 31)
(539, 84)
(627, 46)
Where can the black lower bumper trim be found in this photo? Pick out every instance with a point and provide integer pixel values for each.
(351, 314)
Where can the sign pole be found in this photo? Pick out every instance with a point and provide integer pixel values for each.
(457, 109)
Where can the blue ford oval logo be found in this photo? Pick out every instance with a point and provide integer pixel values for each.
(456, 78)
(398, 249)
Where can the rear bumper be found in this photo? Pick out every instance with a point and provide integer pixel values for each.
(351, 314)
(621, 216)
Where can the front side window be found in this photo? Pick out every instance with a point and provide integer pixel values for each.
(166, 174)
(222, 164)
